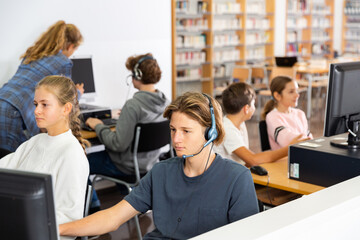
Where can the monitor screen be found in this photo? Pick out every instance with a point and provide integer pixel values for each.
(27, 206)
(82, 72)
(343, 97)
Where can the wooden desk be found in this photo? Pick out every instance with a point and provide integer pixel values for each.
(88, 134)
(277, 173)
(309, 72)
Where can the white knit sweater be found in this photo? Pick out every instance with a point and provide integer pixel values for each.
(63, 157)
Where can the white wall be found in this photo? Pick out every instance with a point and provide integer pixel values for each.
(113, 30)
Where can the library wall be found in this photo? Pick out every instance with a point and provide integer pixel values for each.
(113, 30)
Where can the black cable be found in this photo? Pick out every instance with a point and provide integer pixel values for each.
(191, 195)
(267, 189)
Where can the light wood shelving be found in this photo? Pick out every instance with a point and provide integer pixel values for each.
(309, 28)
(351, 27)
(210, 37)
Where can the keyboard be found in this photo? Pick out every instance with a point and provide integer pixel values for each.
(110, 122)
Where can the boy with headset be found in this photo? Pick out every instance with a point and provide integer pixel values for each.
(193, 193)
(147, 105)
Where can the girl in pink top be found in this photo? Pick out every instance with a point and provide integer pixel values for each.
(283, 120)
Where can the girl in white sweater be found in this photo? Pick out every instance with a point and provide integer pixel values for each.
(60, 151)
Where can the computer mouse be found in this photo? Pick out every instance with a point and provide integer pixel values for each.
(258, 170)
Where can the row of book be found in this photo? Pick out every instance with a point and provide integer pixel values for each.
(227, 24)
(352, 47)
(257, 23)
(298, 7)
(320, 22)
(256, 7)
(191, 6)
(296, 49)
(226, 55)
(256, 38)
(353, 22)
(352, 8)
(222, 40)
(321, 10)
(318, 36)
(257, 53)
(191, 58)
(189, 74)
(185, 41)
(296, 22)
(352, 34)
(226, 8)
(197, 24)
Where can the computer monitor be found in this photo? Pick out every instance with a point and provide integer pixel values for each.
(27, 206)
(285, 61)
(82, 72)
(343, 103)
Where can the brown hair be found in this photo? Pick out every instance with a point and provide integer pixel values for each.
(150, 69)
(58, 37)
(196, 106)
(278, 84)
(236, 96)
(65, 91)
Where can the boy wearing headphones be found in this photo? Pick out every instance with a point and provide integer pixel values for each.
(147, 105)
(190, 194)
(239, 105)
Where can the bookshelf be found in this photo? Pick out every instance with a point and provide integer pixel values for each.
(210, 37)
(309, 28)
(351, 27)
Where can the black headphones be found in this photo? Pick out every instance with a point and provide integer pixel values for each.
(136, 72)
(210, 132)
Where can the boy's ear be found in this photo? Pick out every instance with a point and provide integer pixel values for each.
(246, 109)
(67, 108)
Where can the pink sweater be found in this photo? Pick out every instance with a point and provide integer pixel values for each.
(283, 127)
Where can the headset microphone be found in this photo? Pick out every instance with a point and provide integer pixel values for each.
(210, 133)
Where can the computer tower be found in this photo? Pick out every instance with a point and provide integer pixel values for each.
(318, 162)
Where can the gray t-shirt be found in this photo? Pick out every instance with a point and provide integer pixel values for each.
(184, 207)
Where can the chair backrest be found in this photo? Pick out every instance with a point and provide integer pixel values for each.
(88, 196)
(149, 137)
(241, 74)
(4, 152)
(282, 71)
(264, 138)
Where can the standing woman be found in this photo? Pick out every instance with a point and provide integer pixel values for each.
(48, 56)
(193, 193)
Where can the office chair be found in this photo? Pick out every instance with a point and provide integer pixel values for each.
(241, 74)
(88, 196)
(147, 137)
(4, 152)
(259, 77)
(264, 138)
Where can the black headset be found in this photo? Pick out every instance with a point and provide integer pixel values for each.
(136, 72)
(210, 132)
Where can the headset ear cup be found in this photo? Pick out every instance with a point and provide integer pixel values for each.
(207, 137)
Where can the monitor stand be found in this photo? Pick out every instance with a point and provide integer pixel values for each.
(352, 142)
